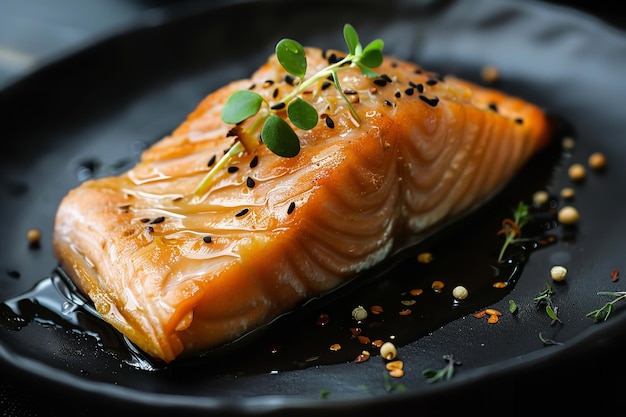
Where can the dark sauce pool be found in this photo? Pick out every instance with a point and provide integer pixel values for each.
(323, 331)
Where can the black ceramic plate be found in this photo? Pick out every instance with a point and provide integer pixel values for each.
(92, 112)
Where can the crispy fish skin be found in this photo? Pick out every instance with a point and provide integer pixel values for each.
(179, 274)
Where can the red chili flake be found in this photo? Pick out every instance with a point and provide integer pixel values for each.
(376, 310)
(355, 331)
(363, 357)
(614, 275)
(364, 340)
(322, 320)
(480, 314)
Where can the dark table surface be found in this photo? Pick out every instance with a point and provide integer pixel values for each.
(34, 32)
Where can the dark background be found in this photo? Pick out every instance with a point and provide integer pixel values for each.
(34, 32)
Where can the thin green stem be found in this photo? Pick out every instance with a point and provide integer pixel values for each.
(235, 150)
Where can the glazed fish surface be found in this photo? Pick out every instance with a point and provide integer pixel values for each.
(180, 272)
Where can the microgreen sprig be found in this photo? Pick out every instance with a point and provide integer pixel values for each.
(275, 132)
(605, 311)
(445, 373)
(512, 228)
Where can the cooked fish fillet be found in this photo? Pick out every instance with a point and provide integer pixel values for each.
(179, 273)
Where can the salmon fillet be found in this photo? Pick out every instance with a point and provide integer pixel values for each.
(179, 273)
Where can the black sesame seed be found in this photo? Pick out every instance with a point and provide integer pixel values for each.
(388, 103)
(292, 207)
(275, 93)
(380, 82)
(431, 82)
(430, 101)
(150, 229)
(329, 122)
(386, 78)
(278, 106)
(207, 239)
(211, 161)
(268, 83)
(232, 132)
(349, 92)
(242, 212)
(232, 169)
(159, 219)
(398, 94)
(254, 161)
(144, 220)
(493, 107)
(519, 121)
(290, 79)
(250, 182)
(333, 59)
(252, 86)
(326, 84)
(409, 91)
(394, 64)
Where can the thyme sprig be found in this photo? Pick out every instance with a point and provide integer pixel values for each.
(548, 342)
(445, 373)
(275, 132)
(545, 298)
(603, 313)
(512, 228)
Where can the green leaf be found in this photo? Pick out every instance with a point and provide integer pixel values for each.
(351, 37)
(367, 72)
(302, 114)
(241, 105)
(373, 54)
(279, 137)
(292, 57)
(551, 313)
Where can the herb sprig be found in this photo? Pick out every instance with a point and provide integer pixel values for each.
(445, 373)
(603, 313)
(545, 298)
(271, 129)
(512, 228)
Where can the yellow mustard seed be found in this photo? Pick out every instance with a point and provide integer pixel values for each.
(460, 292)
(388, 351)
(540, 198)
(568, 215)
(577, 172)
(33, 236)
(568, 143)
(490, 74)
(597, 160)
(558, 273)
(568, 193)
